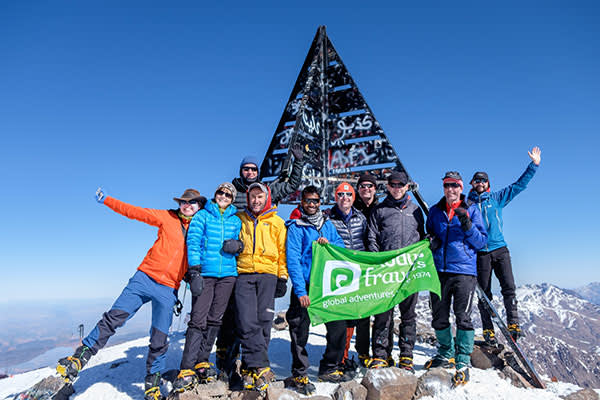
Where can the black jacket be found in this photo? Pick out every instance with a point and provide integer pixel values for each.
(279, 189)
(354, 232)
(395, 224)
(360, 205)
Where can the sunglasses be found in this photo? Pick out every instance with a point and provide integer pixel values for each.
(182, 202)
(366, 186)
(246, 169)
(346, 194)
(312, 201)
(451, 185)
(396, 185)
(480, 180)
(222, 193)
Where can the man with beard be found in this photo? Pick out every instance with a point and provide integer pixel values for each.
(495, 255)
(395, 223)
(312, 226)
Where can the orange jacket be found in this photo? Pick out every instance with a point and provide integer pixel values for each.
(166, 261)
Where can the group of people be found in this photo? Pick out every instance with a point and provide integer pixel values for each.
(237, 254)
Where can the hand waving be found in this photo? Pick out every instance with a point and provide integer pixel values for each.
(536, 155)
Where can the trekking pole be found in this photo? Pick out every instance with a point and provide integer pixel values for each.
(183, 303)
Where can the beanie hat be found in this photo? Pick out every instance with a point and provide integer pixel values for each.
(345, 187)
(260, 186)
(453, 177)
(229, 187)
(480, 175)
(398, 176)
(366, 177)
(249, 160)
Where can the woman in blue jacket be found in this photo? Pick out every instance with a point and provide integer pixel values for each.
(212, 246)
(458, 233)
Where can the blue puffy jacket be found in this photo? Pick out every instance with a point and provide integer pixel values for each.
(458, 250)
(300, 237)
(206, 234)
(491, 205)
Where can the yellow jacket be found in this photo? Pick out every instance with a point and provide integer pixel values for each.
(264, 244)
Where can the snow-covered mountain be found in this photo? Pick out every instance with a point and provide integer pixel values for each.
(590, 292)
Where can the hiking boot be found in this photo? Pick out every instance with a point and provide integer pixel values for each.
(349, 367)
(406, 363)
(490, 338)
(461, 377)
(247, 379)
(152, 387)
(302, 385)
(262, 377)
(515, 331)
(205, 371)
(69, 367)
(363, 359)
(336, 376)
(186, 380)
(440, 362)
(375, 363)
(390, 361)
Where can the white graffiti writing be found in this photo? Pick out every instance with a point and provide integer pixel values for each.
(355, 156)
(311, 124)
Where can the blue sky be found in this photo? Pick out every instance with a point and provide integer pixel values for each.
(150, 98)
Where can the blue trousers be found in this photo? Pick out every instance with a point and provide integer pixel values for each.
(140, 290)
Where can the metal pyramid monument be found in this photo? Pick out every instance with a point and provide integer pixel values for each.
(328, 115)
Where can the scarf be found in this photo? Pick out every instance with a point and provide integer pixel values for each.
(185, 218)
(451, 207)
(317, 219)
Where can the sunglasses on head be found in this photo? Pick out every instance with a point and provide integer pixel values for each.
(222, 193)
(246, 169)
(451, 185)
(397, 185)
(346, 194)
(480, 180)
(312, 201)
(366, 186)
(182, 202)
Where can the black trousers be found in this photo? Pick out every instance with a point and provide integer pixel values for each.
(383, 329)
(363, 336)
(459, 288)
(205, 320)
(498, 261)
(299, 325)
(255, 303)
(228, 341)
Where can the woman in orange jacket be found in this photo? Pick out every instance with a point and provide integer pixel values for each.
(157, 280)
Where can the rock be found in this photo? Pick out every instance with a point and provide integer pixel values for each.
(515, 378)
(350, 390)
(280, 323)
(389, 384)
(213, 390)
(433, 382)
(484, 357)
(319, 398)
(584, 394)
(279, 393)
(245, 395)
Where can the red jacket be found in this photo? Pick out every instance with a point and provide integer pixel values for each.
(166, 261)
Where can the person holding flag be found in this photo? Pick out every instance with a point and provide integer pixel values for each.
(457, 232)
(395, 223)
(312, 226)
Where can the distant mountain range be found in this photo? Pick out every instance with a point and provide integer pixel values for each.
(562, 330)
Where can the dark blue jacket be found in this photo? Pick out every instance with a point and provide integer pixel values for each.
(352, 230)
(206, 234)
(458, 250)
(491, 204)
(300, 237)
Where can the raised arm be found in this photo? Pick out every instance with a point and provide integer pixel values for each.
(149, 216)
(504, 196)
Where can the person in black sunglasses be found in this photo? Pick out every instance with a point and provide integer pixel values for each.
(212, 246)
(495, 255)
(395, 223)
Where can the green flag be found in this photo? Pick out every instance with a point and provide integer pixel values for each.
(350, 284)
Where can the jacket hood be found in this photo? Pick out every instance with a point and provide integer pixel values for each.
(267, 206)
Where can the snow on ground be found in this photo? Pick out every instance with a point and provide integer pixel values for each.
(117, 373)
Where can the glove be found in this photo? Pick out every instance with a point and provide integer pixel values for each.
(195, 280)
(434, 242)
(297, 151)
(463, 217)
(232, 246)
(100, 195)
(281, 287)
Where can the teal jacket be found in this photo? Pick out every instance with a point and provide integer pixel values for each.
(205, 236)
(491, 204)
